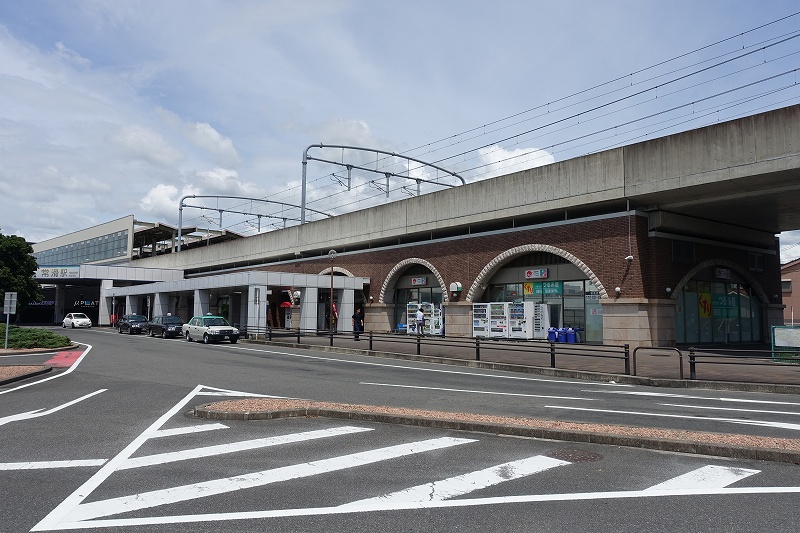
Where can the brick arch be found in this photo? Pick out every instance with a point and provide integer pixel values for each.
(726, 263)
(479, 285)
(391, 278)
(336, 270)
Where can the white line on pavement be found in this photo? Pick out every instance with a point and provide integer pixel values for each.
(763, 423)
(39, 412)
(191, 429)
(210, 451)
(72, 367)
(707, 477)
(43, 465)
(687, 396)
(88, 511)
(477, 391)
(725, 408)
(466, 483)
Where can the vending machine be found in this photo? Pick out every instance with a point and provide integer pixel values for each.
(434, 319)
(521, 320)
(541, 321)
(480, 320)
(498, 319)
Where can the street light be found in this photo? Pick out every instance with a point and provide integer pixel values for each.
(332, 255)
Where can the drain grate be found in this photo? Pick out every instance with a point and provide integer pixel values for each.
(574, 455)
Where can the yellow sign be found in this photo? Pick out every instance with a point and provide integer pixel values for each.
(704, 304)
(527, 288)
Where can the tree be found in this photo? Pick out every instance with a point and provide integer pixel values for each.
(17, 268)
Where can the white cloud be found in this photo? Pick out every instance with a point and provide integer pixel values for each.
(219, 147)
(140, 142)
(496, 160)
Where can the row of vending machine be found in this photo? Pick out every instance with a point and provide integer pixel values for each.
(510, 320)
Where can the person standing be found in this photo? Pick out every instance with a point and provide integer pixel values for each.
(420, 321)
(358, 324)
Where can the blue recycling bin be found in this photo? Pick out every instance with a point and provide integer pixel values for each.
(551, 334)
(562, 334)
(571, 336)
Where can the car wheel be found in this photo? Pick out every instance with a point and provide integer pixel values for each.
(73, 325)
(206, 340)
(63, 324)
(163, 334)
(188, 337)
(119, 329)
(234, 341)
(130, 331)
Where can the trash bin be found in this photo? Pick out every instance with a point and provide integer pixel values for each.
(571, 336)
(551, 334)
(562, 334)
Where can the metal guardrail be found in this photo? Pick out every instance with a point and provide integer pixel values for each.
(659, 348)
(433, 343)
(735, 356)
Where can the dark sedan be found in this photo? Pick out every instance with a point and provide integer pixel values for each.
(165, 326)
(131, 324)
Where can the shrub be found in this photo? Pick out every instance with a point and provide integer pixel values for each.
(24, 338)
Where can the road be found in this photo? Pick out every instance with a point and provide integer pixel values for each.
(109, 444)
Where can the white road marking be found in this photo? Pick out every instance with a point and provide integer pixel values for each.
(690, 397)
(124, 504)
(725, 408)
(707, 477)
(435, 370)
(477, 391)
(60, 374)
(43, 465)
(438, 504)
(464, 484)
(55, 517)
(191, 429)
(763, 423)
(210, 451)
(27, 354)
(39, 412)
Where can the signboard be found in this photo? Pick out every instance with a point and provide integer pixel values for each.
(786, 337)
(527, 289)
(536, 273)
(546, 288)
(704, 304)
(419, 281)
(63, 272)
(722, 273)
(10, 303)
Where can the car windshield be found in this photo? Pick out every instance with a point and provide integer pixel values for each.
(137, 318)
(79, 315)
(216, 321)
(172, 320)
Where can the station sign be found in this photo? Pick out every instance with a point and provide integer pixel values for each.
(419, 281)
(536, 273)
(58, 272)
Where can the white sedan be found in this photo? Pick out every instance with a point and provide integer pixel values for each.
(76, 320)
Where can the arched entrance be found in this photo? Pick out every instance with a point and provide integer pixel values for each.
(717, 303)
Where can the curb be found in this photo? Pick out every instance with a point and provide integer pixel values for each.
(585, 375)
(44, 370)
(669, 445)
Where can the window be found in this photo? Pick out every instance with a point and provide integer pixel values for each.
(786, 286)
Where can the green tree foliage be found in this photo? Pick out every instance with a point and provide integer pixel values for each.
(17, 267)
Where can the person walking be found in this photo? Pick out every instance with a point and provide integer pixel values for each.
(358, 324)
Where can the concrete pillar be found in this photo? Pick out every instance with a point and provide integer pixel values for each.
(132, 305)
(161, 304)
(106, 305)
(59, 309)
(202, 299)
(346, 310)
(308, 308)
(257, 308)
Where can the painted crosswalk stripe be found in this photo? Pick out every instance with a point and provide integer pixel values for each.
(707, 477)
(113, 506)
(210, 451)
(465, 483)
(186, 430)
(43, 465)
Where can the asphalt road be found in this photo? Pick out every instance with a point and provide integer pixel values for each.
(110, 445)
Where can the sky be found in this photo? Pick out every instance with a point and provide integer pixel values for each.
(116, 107)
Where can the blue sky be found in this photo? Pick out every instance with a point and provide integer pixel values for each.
(117, 107)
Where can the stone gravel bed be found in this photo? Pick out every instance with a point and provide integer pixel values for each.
(254, 405)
